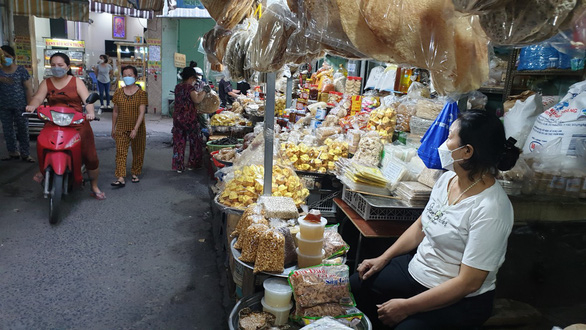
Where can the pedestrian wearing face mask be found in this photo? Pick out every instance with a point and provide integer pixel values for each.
(103, 71)
(65, 90)
(460, 239)
(15, 92)
(186, 128)
(128, 127)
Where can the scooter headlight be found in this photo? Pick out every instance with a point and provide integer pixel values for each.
(62, 119)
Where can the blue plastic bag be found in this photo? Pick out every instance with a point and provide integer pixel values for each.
(436, 135)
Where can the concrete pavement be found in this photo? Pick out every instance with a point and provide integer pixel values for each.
(142, 259)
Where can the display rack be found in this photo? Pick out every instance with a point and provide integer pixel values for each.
(139, 60)
(76, 56)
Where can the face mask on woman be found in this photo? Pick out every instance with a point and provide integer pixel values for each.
(100, 61)
(58, 71)
(128, 80)
(446, 158)
(7, 61)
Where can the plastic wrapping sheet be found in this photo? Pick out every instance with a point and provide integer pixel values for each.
(228, 13)
(237, 59)
(428, 34)
(319, 16)
(268, 49)
(527, 22)
(477, 6)
(214, 44)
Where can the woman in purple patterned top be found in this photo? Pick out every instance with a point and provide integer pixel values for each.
(185, 123)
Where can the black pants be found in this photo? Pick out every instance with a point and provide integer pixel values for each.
(394, 281)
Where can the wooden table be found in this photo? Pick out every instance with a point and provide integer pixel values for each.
(371, 228)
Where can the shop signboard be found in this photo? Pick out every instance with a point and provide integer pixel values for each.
(180, 60)
(23, 52)
(64, 43)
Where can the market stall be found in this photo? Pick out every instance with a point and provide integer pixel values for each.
(318, 138)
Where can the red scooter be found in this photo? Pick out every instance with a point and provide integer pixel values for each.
(59, 153)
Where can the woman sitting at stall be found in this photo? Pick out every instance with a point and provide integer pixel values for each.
(461, 239)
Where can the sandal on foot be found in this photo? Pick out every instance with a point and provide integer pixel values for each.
(99, 196)
(39, 177)
(135, 179)
(28, 159)
(118, 183)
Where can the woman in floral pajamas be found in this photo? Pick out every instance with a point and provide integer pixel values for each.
(185, 123)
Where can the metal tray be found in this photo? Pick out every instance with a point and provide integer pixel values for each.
(253, 302)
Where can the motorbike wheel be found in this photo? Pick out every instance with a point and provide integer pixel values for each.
(55, 200)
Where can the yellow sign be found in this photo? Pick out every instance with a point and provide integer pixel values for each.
(180, 61)
(65, 43)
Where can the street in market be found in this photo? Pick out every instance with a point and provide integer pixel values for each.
(142, 259)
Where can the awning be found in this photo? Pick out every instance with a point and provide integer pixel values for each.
(73, 11)
(99, 7)
(154, 5)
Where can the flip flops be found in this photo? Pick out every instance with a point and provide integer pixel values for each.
(118, 183)
(28, 159)
(99, 196)
(12, 156)
(135, 179)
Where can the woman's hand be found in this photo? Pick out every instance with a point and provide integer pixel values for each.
(30, 108)
(369, 267)
(133, 134)
(90, 116)
(113, 134)
(392, 312)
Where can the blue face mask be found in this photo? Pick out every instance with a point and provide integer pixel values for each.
(128, 80)
(7, 61)
(58, 71)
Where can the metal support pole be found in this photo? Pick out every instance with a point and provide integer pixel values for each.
(289, 92)
(269, 133)
(363, 75)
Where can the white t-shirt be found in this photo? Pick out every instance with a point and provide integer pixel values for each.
(473, 232)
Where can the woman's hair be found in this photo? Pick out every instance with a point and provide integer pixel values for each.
(106, 58)
(492, 151)
(65, 59)
(193, 64)
(9, 50)
(187, 73)
(130, 67)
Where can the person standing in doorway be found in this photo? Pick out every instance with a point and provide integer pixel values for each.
(15, 92)
(186, 127)
(103, 71)
(128, 127)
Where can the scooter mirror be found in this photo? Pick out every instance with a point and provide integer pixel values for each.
(92, 98)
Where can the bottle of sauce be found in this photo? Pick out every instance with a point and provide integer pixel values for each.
(313, 93)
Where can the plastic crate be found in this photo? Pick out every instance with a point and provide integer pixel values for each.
(365, 208)
(323, 200)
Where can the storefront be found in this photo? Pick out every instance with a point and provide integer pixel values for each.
(343, 136)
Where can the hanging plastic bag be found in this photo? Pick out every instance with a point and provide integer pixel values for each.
(437, 134)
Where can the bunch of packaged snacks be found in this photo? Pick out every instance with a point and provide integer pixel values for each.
(321, 285)
(228, 118)
(383, 120)
(334, 97)
(290, 254)
(254, 219)
(270, 255)
(250, 241)
(249, 320)
(280, 105)
(334, 244)
(353, 137)
(353, 85)
(314, 159)
(369, 149)
(248, 181)
(356, 106)
(370, 102)
(358, 121)
(247, 218)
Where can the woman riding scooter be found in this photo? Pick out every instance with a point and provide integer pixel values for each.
(65, 90)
